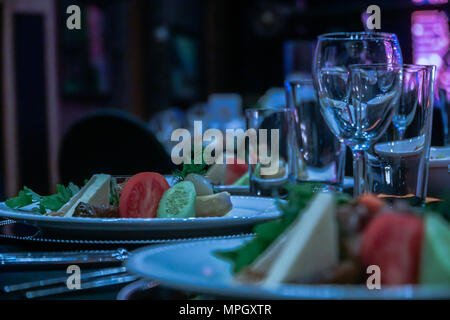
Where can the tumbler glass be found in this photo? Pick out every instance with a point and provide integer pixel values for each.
(271, 150)
(397, 164)
(322, 156)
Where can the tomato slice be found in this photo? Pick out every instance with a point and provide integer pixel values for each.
(393, 242)
(141, 195)
(235, 171)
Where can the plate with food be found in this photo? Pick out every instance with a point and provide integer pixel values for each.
(324, 246)
(141, 206)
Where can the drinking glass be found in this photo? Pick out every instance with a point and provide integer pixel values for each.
(334, 53)
(411, 91)
(397, 164)
(360, 105)
(341, 49)
(322, 156)
(271, 144)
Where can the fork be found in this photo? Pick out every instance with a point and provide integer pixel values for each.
(100, 282)
(100, 278)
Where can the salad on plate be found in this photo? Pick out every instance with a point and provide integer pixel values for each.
(144, 195)
(328, 238)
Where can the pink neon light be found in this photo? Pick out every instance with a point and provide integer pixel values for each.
(429, 1)
(430, 42)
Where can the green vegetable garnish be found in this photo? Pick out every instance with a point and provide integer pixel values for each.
(56, 201)
(53, 202)
(113, 196)
(180, 175)
(298, 198)
(23, 199)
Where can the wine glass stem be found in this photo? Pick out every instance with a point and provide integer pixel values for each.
(359, 172)
(401, 133)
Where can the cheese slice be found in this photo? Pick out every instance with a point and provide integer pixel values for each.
(265, 260)
(309, 246)
(96, 192)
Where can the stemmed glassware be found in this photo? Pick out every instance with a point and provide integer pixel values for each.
(358, 102)
(410, 97)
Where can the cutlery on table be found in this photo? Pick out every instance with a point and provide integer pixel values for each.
(62, 258)
(88, 280)
(97, 283)
(54, 281)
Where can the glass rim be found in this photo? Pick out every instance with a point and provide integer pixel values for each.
(299, 81)
(375, 65)
(404, 67)
(425, 66)
(361, 35)
(279, 109)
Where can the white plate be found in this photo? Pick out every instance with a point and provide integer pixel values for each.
(440, 157)
(246, 212)
(192, 266)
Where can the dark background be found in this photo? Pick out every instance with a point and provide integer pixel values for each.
(140, 57)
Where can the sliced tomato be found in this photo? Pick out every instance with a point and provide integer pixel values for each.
(141, 195)
(235, 171)
(393, 242)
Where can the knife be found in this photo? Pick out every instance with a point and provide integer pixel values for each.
(62, 258)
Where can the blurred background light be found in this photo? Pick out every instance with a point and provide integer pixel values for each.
(430, 41)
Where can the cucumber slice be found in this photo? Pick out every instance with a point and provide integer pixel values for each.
(178, 201)
(435, 264)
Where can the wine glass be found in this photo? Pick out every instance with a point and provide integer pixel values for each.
(413, 77)
(334, 53)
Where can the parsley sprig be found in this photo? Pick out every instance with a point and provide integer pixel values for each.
(52, 202)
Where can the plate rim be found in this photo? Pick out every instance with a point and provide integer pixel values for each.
(257, 292)
(28, 216)
(440, 162)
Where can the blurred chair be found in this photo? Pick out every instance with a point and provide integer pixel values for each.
(110, 141)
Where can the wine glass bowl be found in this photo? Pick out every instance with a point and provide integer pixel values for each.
(357, 102)
(374, 97)
(342, 49)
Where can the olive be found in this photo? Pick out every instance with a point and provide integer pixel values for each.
(202, 186)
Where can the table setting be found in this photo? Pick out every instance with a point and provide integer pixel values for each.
(230, 229)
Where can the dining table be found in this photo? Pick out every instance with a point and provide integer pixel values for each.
(20, 239)
(14, 276)
(15, 239)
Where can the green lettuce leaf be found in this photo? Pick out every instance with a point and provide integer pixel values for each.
(298, 198)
